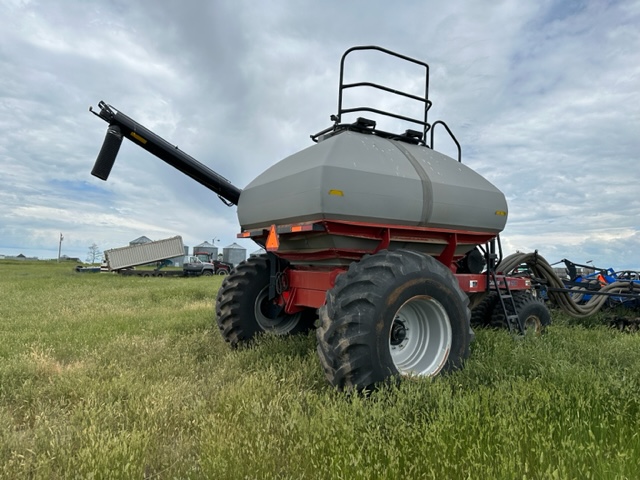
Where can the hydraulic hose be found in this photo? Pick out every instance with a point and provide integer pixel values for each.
(565, 300)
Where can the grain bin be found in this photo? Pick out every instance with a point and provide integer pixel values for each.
(234, 254)
(206, 247)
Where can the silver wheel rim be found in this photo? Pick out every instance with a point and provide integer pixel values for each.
(532, 325)
(420, 337)
(280, 324)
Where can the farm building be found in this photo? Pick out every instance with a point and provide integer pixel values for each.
(140, 240)
(234, 254)
(206, 247)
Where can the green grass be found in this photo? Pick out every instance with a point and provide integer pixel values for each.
(104, 376)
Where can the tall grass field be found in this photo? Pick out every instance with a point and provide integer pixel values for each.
(104, 376)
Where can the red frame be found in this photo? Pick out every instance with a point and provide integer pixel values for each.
(307, 285)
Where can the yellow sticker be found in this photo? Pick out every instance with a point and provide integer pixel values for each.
(138, 137)
(501, 213)
(338, 193)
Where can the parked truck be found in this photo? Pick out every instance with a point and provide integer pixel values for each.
(204, 264)
(219, 267)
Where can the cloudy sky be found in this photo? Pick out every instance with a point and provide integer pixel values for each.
(544, 97)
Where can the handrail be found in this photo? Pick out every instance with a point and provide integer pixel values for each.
(453, 137)
(426, 126)
(343, 86)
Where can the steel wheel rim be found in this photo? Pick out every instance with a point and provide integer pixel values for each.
(280, 324)
(420, 337)
(532, 325)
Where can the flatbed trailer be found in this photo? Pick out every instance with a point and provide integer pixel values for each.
(134, 272)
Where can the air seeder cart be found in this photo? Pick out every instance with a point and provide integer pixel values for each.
(389, 242)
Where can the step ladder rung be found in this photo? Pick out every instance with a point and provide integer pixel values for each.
(507, 302)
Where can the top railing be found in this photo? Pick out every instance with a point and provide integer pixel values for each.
(367, 124)
(424, 100)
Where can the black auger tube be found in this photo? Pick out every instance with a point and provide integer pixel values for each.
(122, 126)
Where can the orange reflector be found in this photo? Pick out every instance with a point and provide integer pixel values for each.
(296, 228)
(244, 234)
(272, 240)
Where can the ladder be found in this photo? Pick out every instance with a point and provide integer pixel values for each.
(507, 303)
(501, 287)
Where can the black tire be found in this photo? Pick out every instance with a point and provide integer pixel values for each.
(222, 271)
(243, 310)
(532, 311)
(362, 337)
(207, 273)
(482, 313)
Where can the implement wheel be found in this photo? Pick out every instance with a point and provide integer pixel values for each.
(243, 309)
(391, 314)
(532, 311)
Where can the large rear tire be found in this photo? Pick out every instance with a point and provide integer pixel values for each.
(243, 309)
(394, 313)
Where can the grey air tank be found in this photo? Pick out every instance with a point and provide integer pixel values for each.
(362, 177)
